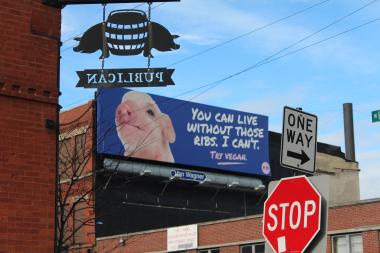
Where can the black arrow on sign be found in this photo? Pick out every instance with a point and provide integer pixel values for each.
(303, 156)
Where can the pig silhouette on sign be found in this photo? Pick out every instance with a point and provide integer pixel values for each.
(90, 42)
(144, 131)
(126, 32)
(159, 38)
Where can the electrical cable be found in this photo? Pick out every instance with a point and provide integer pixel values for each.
(237, 37)
(248, 33)
(290, 53)
(265, 26)
(221, 44)
(259, 64)
(271, 59)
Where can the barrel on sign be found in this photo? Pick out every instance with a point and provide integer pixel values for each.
(126, 32)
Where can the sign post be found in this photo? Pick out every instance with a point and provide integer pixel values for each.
(295, 215)
(376, 116)
(299, 140)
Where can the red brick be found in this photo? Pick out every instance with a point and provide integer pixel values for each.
(27, 161)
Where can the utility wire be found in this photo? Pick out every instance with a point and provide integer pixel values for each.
(271, 59)
(259, 64)
(233, 39)
(249, 33)
(265, 26)
(262, 62)
(216, 46)
(216, 83)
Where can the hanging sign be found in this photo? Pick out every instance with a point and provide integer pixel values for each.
(139, 77)
(126, 33)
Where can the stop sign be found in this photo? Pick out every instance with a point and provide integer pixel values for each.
(292, 215)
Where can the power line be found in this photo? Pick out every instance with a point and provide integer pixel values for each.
(271, 59)
(261, 28)
(249, 33)
(262, 63)
(219, 45)
(230, 40)
(216, 83)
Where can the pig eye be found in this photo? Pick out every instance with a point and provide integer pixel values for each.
(150, 112)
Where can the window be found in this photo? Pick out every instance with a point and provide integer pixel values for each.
(209, 251)
(64, 162)
(352, 243)
(253, 248)
(79, 223)
(79, 154)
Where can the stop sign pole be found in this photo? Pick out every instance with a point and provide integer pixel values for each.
(295, 215)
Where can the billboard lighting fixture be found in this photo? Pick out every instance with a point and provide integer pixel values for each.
(233, 184)
(173, 178)
(146, 172)
(260, 187)
(122, 241)
(206, 181)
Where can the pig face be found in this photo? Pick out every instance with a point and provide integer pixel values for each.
(143, 129)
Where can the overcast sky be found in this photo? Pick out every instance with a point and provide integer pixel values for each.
(319, 78)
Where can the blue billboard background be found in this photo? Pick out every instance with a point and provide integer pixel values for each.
(206, 136)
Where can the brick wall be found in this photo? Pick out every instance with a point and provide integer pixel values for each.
(29, 42)
(371, 241)
(228, 235)
(77, 181)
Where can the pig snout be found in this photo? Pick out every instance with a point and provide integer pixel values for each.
(175, 46)
(77, 49)
(124, 114)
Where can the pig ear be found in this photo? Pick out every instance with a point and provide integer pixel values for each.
(167, 128)
(175, 36)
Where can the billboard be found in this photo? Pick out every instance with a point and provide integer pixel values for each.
(140, 125)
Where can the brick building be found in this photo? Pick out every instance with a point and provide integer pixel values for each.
(352, 227)
(75, 196)
(29, 46)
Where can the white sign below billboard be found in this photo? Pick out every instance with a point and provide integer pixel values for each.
(182, 238)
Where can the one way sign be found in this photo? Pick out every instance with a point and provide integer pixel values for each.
(299, 140)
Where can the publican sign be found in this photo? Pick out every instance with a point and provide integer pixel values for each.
(126, 33)
(140, 125)
(139, 77)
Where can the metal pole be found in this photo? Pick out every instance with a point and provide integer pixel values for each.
(349, 132)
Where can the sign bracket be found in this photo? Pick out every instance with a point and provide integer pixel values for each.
(62, 3)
